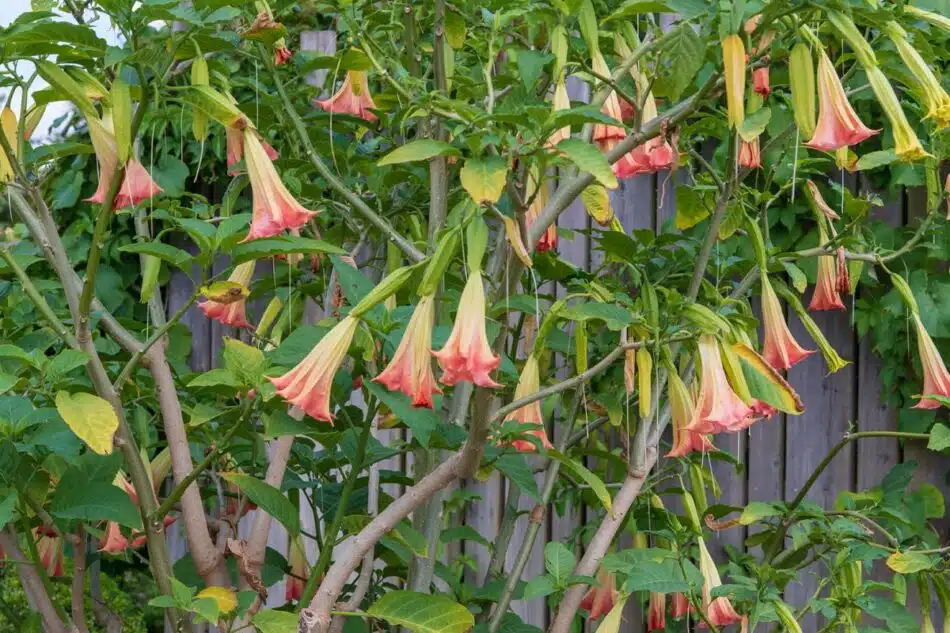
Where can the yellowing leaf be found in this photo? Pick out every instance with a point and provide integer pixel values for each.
(225, 291)
(8, 127)
(611, 621)
(765, 383)
(90, 417)
(513, 231)
(597, 203)
(484, 178)
(909, 562)
(223, 597)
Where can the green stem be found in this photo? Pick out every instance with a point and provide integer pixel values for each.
(34, 295)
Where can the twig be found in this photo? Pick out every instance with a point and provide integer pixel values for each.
(34, 295)
(32, 583)
(78, 611)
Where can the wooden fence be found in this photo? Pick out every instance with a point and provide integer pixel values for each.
(779, 455)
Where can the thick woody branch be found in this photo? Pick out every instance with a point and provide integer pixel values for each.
(32, 583)
(279, 456)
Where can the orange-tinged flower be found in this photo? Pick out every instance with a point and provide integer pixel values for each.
(654, 155)
(826, 295)
(818, 201)
(308, 385)
(114, 541)
(682, 410)
(137, 184)
(410, 370)
(680, 606)
(838, 125)
(749, 155)
(235, 148)
(843, 284)
(734, 65)
(49, 545)
(538, 193)
(352, 98)
(562, 101)
(780, 348)
(656, 619)
(282, 54)
(600, 600)
(528, 384)
(906, 144)
(467, 354)
(719, 611)
(936, 376)
(605, 135)
(231, 313)
(760, 81)
(274, 209)
(718, 408)
(299, 569)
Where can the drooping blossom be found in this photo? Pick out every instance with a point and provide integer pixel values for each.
(282, 54)
(760, 81)
(232, 313)
(49, 546)
(838, 124)
(843, 284)
(656, 616)
(718, 408)
(410, 370)
(818, 203)
(235, 148)
(749, 154)
(137, 184)
(780, 349)
(299, 569)
(606, 135)
(734, 66)
(680, 606)
(353, 97)
(934, 97)
(467, 354)
(528, 384)
(308, 385)
(113, 540)
(561, 101)
(906, 144)
(630, 371)
(682, 410)
(718, 611)
(826, 295)
(274, 209)
(600, 600)
(537, 193)
(936, 376)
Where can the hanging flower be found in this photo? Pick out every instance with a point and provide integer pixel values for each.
(600, 600)
(906, 144)
(605, 135)
(353, 97)
(656, 611)
(780, 348)
(562, 101)
(760, 81)
(528, 384)
(49, 545)
(467, 354)
(680, 606)
(235, 148)
(137, 184)
(818, 203)
(749, 155)
(734, 65)
(410, 370)
(299, 569)
(232, 313)
(718, 408)
(826, 295)
(936, 376)
(114, 541)
(282, 54)
(537, 193)
(308, 385)
(629, 371)
(682, 410)
(934, 97)
(843, 284)
(274, 209)
(718, 611)
(838, 125)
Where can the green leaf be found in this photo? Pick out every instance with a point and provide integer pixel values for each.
(530, 65)
(484, 178)
(215, 378)
(63, 363)
(57, 77)
(420, 420)
(411, 538)
(516, 468)
(687, 9)
(539, 587)
(898, 619)
(596, 484)
(422, 613)
(909, 562)
(94, 501)
(463, 533)
(7, 508)
(692, 207)
(66, 189)
(939, 437)
(880, 158)
(765, 383)
(652, 569)
(273, 621)
(758, 510)
(57, 150)
(796, 275)
(559, 561)
(934, 505)
(422, 149)
(588, 158)
(165, 252)
(683, 56)
(90, 417)
(245, 362)
(170, 173)
(454, 30)
(615, 317)
(284, 245)
(268, 499)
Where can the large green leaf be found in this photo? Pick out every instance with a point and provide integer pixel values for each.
(653, 569)
(588, 158)
(683, 56)
(268, 499)
(422, 149)
(559, 562)
(613, 315)
(165, 252)
(765, 383)
(246, 362)
(422, 613)
(94, 501)
(283, 245)
(273, 621)
(420, 420)
(596, 483)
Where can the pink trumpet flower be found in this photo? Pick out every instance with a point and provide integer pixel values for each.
(838, 125)
(826, 296)
(719, 611)
(274, 209)
(410, 370)
(780, 348)
(760, 81)
(530, 383)
(235, 149)
(600, 600)
(137, 185)
(936, 376)
(680, 606)
(308, 385)
(49, 545)
(232, 313)
(282, 54)
(299, 569)
(682, 409)
(749, 153)
(656, 619)
(718, 408)
(353, 97)
(114, 541)
(467, 354)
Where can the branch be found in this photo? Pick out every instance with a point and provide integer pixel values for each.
(78, 588)
(32, 583)
(34, 295)
(257, 542)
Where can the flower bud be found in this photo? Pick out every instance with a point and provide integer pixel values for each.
(801, 76)
(734, 64)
